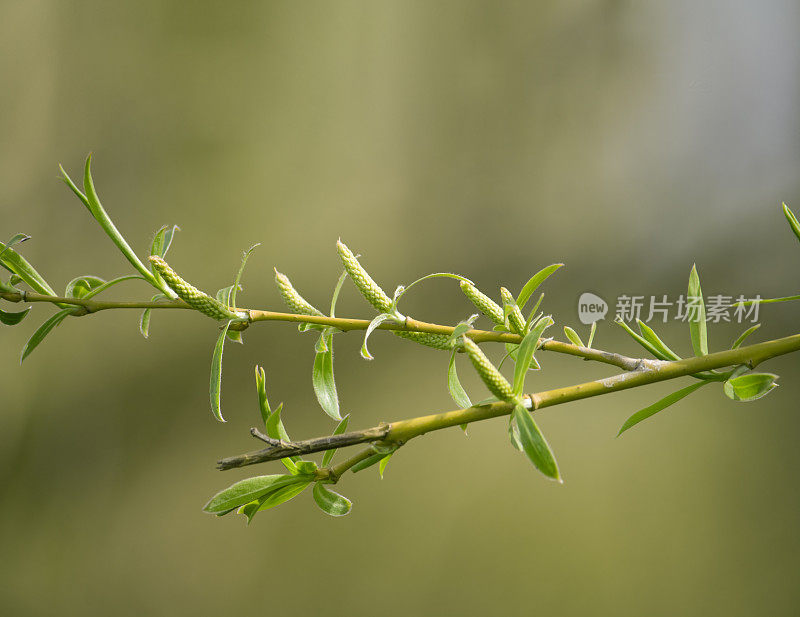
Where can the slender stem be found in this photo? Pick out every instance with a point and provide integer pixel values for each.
(342, 323)
(648, 371)
(92, 306)
(282, 449)
(335, 472)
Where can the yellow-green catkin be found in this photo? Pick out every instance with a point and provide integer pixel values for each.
(494, 380)
(296, 303)
(437, 341)
(195, 298)
(515, 318)
(483, 303)
(368, 287)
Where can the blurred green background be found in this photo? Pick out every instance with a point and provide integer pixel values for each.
(627, 139)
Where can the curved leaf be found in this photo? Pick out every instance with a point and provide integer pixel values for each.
(331, 502)
(82, 285)
(17, 264)
(216, 373)
(750, 387)
(738, 342)
(457, 392)
(324, 382)
(13, 318)
(370, 329)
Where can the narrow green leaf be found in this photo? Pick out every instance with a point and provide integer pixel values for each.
(368, 462)
(531, 317)
(17, 264)
(697, 325)
(573, 336)
(331, 502)
(276, 430)
(370, 329)
(653, 409)
(158, 242)
(168, 236)
(640, 339)
(13, 318)
(13, 241)
(591, 334)
(224, 295)
(526, 350)
(324, 383)
(101, 288)
(738, 342)
(457, 392)
(535, 445)
(513, 433)
(534, 282)
(245, 255)
(665, 353)
(336, 291)
(282, 495)
(402, 289)
(144, 320)
(216, 373)
(340, 428)
(750, 387)
(385, 461)
(92, 203)
(261, 388)
(792, 220)
(245, 491)
(43, 331)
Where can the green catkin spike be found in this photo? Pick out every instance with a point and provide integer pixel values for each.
(483, 303)
(494, 380)
(296, 303)
(368, 287)
(190, 294)
(437, 341)
(515, 318)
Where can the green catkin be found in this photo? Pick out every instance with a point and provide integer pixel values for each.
(483, 303)
(368, 287)
(515, 318)
(296, 303)
(437, 341)
(494, 380)
(195, 298)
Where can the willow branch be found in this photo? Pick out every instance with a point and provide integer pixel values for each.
(648, 371)
(340, 323)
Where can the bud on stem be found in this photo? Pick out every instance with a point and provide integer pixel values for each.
(515, 318)
(195, 298)
(483, 303)
(296, 303)
(366, 285)
(494, 380)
